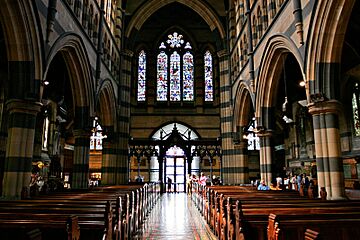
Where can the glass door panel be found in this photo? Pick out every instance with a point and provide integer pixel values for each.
(175, 170)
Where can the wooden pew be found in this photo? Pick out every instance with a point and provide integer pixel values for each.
(344, 226)
(250, 223)
(129, 219)
(225, 222)
(128, 207)
(34, 227)
(311, 235)
(95, 220)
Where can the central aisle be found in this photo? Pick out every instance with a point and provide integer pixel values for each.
(175, 217)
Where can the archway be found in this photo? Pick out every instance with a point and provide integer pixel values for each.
(279, 95)
(175, 150)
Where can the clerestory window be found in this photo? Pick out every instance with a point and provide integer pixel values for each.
(175, 70)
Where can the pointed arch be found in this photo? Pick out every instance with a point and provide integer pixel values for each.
(23, 39)
(270, 69)
(73, 50)
(326, 46)
(243, 103)
(106, 104)
(151, 6)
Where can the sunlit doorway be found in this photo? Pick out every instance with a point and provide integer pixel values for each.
(175, 169)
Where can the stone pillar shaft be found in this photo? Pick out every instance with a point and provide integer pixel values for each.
(80, 173)
(19, 147)
(265, 157)
(124, 120)
(108, 166)
(327, 147)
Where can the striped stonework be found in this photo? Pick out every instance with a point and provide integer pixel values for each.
(19, 147)
(232, 26)
(123, 119)
(242, 162)
(234, 170)
(80, 173)
(265, 156)
(2, 158)
(327, 148)
(108, 169)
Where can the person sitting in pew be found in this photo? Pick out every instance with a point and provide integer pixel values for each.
(263, 186)
(275, 186)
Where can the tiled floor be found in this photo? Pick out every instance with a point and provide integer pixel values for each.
(175, 217)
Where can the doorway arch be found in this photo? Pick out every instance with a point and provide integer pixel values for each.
(172, 150)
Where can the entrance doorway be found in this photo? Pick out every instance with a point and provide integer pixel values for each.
(175, 169)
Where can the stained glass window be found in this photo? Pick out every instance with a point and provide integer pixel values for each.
(162, 76)
(141, 77)
(356, 109)
(97, 137)
(175, 77)
(209, 91)
(188, 77)
(252, 138)
(181, 70)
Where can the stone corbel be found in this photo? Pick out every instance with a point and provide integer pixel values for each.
(298, 21)
(50, 18)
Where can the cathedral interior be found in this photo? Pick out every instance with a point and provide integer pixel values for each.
(137, 96)
(113, 92)
(105, 91)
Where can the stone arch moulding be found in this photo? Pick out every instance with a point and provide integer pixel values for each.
(152, 6)
(323, 47)
(268, 75)
(106, 100)
(172, 122)
(74, 52)
(19, 20)
(242, 101)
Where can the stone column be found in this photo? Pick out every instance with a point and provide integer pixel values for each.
(108, 166)
(124, 119)
(226, 120)
(195, 165)
(327, 147)
(19, 147)
(242, 162)
(154, 169)
(80, 173)
(265, 156)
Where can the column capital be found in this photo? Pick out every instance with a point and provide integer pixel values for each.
(241, 145)
(222, 53)
(265, 133)
(23, 106)
(78, 133)
(329, 106)
(127, 52)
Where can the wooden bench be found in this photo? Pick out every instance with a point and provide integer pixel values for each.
(95, 220)
(344, 226)
(35, 227)
(250, 223)
(252, 216)
(126, 208)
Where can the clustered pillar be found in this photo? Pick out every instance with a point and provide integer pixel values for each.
(327, 147)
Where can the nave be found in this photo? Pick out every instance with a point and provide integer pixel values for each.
(175, 217)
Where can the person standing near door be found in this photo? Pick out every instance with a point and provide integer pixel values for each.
(188, 184)
(169, 182)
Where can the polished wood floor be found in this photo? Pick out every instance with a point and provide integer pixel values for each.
(175, 217)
